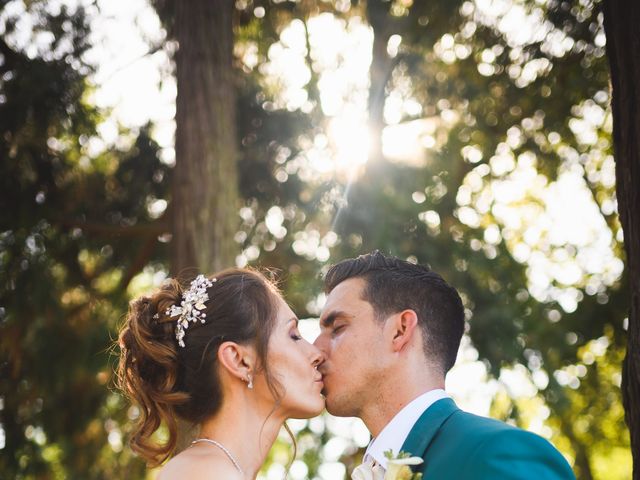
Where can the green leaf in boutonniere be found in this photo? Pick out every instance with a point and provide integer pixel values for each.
(399, 467)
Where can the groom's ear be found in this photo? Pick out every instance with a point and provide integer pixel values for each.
(403, 329)
(238, 360)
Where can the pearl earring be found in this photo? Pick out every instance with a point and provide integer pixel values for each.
(250, 383)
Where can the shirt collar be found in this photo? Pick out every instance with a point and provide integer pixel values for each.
(394, 434)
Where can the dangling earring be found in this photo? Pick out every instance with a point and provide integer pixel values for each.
(250, 382)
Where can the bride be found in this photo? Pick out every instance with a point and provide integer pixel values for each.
(225, 354)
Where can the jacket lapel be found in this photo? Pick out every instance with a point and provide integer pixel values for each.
(425, 429)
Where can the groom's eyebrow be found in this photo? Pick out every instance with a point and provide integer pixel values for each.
(328, 321)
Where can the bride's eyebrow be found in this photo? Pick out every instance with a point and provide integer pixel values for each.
(293, 319)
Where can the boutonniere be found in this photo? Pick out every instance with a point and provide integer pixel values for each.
(368, 471)
(399, 468)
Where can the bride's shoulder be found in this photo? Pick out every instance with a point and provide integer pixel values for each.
(195, 466)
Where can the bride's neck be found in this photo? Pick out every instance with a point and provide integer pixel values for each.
(246, 428)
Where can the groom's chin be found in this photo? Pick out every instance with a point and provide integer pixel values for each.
(331, 407)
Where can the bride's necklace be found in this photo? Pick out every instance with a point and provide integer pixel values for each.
(221, 447)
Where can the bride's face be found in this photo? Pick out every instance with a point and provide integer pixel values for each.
(292, 362)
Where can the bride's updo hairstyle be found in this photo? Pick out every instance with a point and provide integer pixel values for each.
(166, 380)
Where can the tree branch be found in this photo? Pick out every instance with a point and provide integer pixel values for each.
(157, 227)
(141, 259)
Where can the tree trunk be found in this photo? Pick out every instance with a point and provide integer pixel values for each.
(205, 190)
(621, 20)
(379, 72)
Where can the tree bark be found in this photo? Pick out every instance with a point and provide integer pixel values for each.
(379, 73)
(621, 20)
(205, 188)
(204, 200)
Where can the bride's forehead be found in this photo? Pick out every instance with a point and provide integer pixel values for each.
(284, 312)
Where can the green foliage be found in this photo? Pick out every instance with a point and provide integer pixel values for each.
(65, 254)
(506, 323)
(78, 235)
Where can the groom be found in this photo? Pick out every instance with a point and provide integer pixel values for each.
(390, 331)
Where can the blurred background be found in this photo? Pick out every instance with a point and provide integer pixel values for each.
(474, 136)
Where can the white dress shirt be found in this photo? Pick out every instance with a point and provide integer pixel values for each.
(394, 434)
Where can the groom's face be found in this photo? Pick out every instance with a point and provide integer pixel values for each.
(352, 343)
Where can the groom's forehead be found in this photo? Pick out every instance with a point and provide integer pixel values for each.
(344, 301)
(347, 291)
(338, 302)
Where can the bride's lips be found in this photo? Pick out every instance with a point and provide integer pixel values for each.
(320, 381)
(322, 376)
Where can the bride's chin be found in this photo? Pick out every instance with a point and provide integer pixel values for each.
(311, 409)
(321, 406)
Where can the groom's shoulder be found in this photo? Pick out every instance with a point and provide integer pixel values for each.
(477, 429)
(477, 425)
(480, 423)
(491, 449)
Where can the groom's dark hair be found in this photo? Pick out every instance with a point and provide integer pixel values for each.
(393, 285)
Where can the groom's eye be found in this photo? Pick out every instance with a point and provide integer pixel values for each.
(337, 329)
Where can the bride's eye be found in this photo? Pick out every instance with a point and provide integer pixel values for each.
(296, 336)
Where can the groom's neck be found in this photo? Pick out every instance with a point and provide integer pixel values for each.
(392, 396)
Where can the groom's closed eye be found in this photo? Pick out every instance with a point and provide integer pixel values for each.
(335, 322)
(337, 329)
(329, 321)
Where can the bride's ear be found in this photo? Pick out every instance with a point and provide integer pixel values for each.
(238, 360)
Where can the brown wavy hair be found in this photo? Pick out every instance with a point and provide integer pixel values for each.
(166, 381)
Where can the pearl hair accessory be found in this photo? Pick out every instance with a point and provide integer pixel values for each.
(191, 306)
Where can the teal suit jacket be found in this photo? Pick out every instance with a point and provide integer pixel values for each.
(456, 445)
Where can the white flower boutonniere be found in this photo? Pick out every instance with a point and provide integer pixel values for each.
(368, 471)
(399, 468)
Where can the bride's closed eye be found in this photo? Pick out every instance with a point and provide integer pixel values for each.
(295, 335)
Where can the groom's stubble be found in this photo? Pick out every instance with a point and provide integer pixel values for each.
(351, 339)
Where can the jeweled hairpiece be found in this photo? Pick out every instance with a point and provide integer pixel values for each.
(190, 309)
